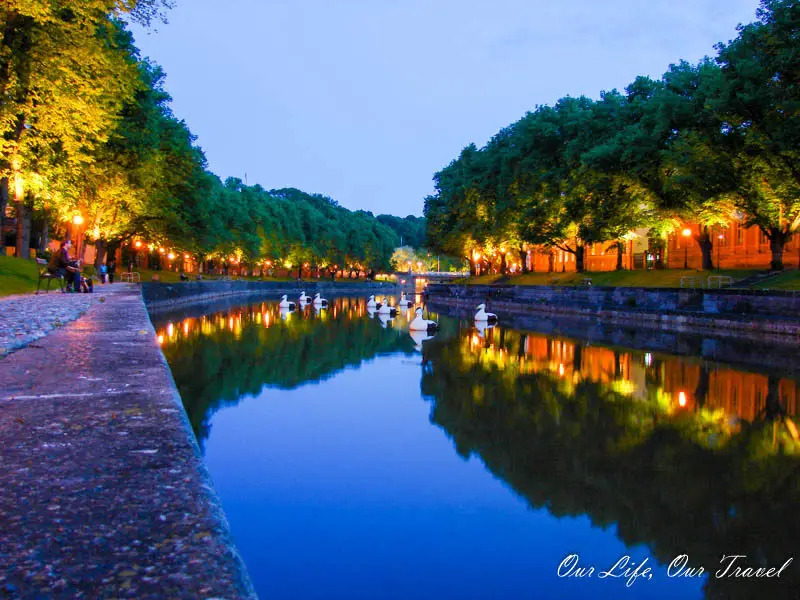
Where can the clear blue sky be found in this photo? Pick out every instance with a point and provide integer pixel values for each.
(363, 100)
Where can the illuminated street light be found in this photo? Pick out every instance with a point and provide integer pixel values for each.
(686, 233)
(77, 219)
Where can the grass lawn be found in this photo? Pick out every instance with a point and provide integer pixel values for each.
(788, 280)
(19, 276)
(639, 278)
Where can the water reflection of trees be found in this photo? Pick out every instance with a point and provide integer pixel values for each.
(218, 358)
(630, 440)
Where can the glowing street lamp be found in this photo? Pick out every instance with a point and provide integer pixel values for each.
(138, 243)
(77, 220)
(720, 237)
(686, 233)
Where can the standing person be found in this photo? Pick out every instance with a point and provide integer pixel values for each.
(103, 273)
(61, 263)
(111, 267)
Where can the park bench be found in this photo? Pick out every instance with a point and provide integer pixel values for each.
(690, 282)
(719, 280)
(131, 277)
(587, 281)
(45, 274)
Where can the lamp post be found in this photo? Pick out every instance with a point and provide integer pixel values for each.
(719, 243)
(686, 233)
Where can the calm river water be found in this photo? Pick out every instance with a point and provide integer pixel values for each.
(356, 462)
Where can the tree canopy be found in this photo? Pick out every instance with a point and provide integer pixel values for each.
(87, 133)
(706, 143)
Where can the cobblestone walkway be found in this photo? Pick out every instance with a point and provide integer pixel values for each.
(26, 318)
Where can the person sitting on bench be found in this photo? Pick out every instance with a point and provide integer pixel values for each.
(61, 264)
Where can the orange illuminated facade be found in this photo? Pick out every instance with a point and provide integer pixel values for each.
(735, 247)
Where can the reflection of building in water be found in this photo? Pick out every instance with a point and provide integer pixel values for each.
(691, 383)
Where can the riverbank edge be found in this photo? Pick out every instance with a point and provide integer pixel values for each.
(158, 296)
(661, 312)
(110, 447)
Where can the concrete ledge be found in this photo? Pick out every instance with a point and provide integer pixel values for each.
(104, 490)
(159, 295)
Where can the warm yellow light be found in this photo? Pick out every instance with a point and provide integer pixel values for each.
(687, 232)
(161, 251)
(682, 399)
(171, 256)
(19, 187)
(561, 370)
(138, 244)
(77, 219)
(186, 256)
(160, 340)
(152, 247)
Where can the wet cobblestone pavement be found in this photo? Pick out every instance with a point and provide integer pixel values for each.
(24, 319)
(104, 491)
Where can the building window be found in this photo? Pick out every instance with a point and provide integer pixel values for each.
(762, 237)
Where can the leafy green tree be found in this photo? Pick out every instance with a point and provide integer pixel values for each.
(63, 79)
(760, 113)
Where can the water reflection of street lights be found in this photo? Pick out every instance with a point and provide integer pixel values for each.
(686, 233)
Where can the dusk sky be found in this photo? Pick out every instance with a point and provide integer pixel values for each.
(364, 100)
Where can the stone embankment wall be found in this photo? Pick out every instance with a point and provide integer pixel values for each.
(735, 311)
(159, 295)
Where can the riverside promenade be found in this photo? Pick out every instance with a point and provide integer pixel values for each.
(104, 490)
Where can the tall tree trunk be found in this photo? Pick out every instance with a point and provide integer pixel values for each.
(503, 263)
(706, 247)
(620, 254)
(777, 241)
(580, 253)
(3, 204)
(111, 251)
(100, 252)
(45, 233)
(523, 259)
(23, 229)
(473, 267)
(551, 262)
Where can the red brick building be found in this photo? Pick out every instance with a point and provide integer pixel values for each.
(735, 247)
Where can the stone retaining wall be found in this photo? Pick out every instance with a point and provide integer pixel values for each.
(159, 295)
(732, 311)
